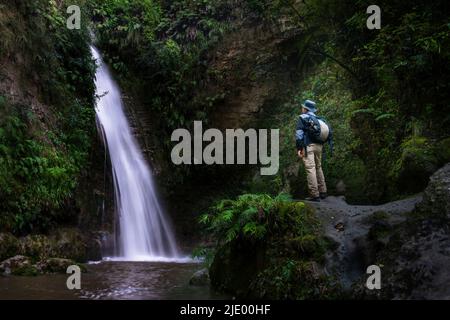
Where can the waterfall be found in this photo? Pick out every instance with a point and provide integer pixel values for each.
(144, 233)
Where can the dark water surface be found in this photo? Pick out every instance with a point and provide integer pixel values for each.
(112, 280)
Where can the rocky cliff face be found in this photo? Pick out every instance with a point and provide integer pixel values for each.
(414, 255)
(258, 66)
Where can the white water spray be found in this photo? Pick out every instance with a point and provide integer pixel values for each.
(145, 234)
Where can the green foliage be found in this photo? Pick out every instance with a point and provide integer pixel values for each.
(277, 239)
(164, 46)
(56, 57)
(44, 142)
(418, 160)
(394, 84)
(246, 216)
(206, 255)
(400, 81)
(127, 24)
(26, 270)
(36, 177)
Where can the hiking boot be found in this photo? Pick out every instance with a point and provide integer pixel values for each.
(313, 199)
(323, 195)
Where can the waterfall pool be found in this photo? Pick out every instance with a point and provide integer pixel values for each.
(113, 280)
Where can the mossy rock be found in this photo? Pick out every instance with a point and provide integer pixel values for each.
(417, 162)
(443, 150)
(436, 198)
(28, 271)
(9, 246)
(200, 278)
(70, 243)
(67, 243)
(291, 231)
(234, 266)
(19, 266)
(306, 244)
(37, 247)
(57, 265)
(294, 280)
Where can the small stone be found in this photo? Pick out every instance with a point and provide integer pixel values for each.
(339, 227)
(200, 278)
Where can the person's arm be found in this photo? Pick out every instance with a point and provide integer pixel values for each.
(300, 137)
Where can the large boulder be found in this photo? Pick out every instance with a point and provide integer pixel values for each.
(414, 263)
(9, 246)
(273, 251)
(37, 247)
(68, 243)
(235, 265)
(418, 160)
(200, 278)
(23, 266)
(436, 199)
(54, 265)
(18, 265)
(416, 256)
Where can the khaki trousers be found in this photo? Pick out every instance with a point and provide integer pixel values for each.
(314, 173)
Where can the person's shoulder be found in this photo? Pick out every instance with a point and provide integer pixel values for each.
(304, 116)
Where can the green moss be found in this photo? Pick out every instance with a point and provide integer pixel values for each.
(19, 265)
(443, 150)
(42, 156)
(36, 176)
(26, 270)
(9, 246)
(294, 280)
(417, 161)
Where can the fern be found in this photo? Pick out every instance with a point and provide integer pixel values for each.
(248, 215)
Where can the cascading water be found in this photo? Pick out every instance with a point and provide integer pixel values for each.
(145, 234)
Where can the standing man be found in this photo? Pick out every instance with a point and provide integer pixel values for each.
(311, 133)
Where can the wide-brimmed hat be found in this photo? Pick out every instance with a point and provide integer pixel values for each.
(309, 105)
